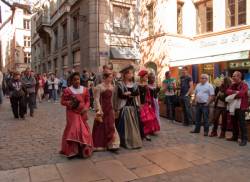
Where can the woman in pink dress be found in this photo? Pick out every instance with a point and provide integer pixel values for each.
(105, 136)
(77, 139)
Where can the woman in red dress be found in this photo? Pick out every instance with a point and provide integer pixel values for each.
(77, 139)
(105, 136)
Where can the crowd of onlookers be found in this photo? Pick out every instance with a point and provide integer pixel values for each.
(229, 100)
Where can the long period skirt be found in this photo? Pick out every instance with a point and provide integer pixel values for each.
(77, 139)
(104, 133)
(128, 128)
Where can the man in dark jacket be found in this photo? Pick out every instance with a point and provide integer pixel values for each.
(240, 88)
(29, 82)
(17, 96)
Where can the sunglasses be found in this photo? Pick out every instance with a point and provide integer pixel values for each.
(203, 78)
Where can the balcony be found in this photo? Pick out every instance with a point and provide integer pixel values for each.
(43, 25)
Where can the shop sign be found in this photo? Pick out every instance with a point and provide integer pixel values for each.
(234, 38)
(242, 64)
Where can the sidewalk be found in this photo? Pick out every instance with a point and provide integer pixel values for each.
(210, 160)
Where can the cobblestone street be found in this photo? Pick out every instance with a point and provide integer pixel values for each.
(29, 153)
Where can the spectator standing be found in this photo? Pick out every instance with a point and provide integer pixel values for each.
(169, 86)
(220, 108)
(204, 95)
(63, 83)
(53, 84)
(239, 90)
(29, 82)
(85, 78)
(186, 89)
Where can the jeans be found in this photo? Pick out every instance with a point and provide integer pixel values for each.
(186, 106)
(53, 94)
(201, 110)
(30, 101)
(169, 100)
(220, 111)
(239, 122)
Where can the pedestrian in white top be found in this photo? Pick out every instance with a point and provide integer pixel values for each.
(53, 84)
(204, 95)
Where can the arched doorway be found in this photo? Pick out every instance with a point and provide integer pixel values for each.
(152, 67)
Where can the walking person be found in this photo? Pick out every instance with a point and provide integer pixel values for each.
(147, 112)
(204, 96)
(220, 109)
(239, 91)
(104, 132)
(77, 139)
(29, 82)
(17, 96)
(169, 87)
(186, 89)
(126, 104)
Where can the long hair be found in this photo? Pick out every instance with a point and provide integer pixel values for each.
(226, 84)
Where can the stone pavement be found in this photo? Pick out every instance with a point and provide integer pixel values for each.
(29, 153)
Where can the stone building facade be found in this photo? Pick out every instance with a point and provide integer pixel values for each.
(83, 34)
(208, 36)
(15, 37)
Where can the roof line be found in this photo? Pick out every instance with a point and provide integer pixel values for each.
(7, 3)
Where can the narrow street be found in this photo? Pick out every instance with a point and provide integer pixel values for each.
(29, 153)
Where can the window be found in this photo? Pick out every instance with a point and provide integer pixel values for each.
(27, 58)
(26, 24)
(150, 19)
(64, 28)
(56, 39)
(204, 17)
(209, 19)
(236, 12)
(76, 26)
(179, 18)
(27, 41)
(121, 24)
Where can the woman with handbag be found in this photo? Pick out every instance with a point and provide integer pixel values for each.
(77, 138)
(126, 104)
(147, 112)
(105, 136)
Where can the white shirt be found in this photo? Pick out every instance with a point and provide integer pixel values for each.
(203, 92)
